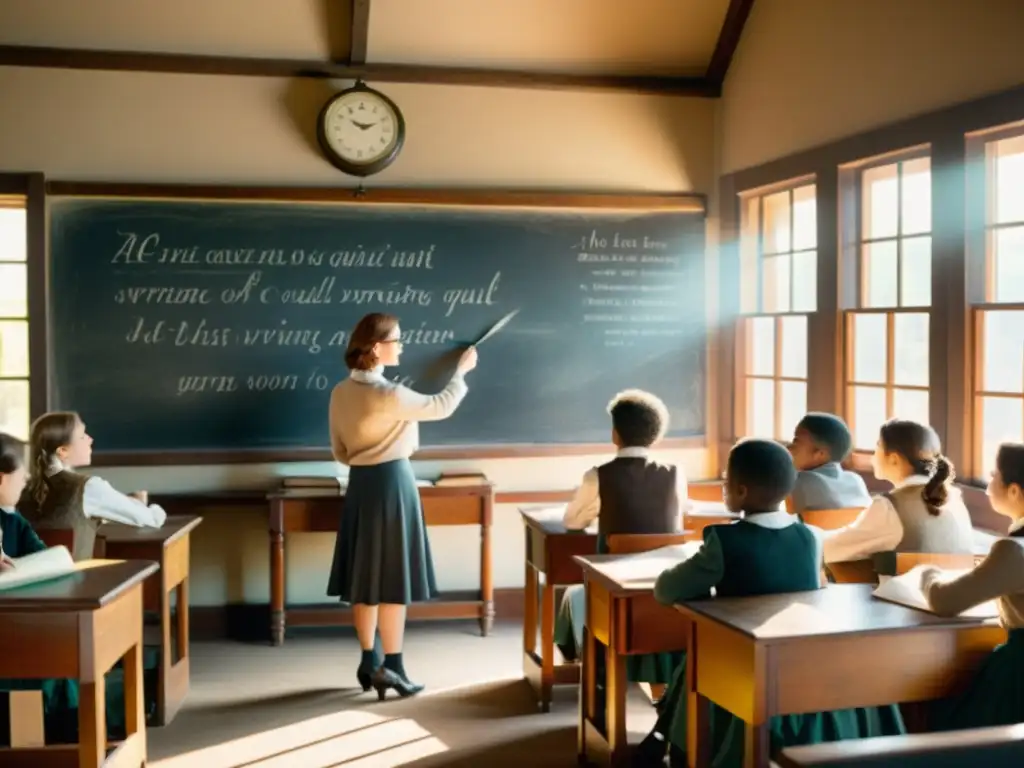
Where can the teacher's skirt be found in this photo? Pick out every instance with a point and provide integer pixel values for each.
(382, 554)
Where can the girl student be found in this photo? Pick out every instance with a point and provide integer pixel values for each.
(923, 512)
(17, 538)
(57, 496)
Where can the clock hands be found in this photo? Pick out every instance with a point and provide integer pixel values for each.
(362, 126)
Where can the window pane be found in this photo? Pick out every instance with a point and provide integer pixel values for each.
(916, 197)
(776, 223)
(1009, 181)
(880, 202)
(794, 347)
(916, 272)
(869, 348)
(775, 271)
(750, 247)
(868, 416)
(14, 408)
(1008, 261)
(12, 234)
(1002, 420)
(13, 290)
(910, 404)
(910, 349)
(805, 218)
(14, 349)
(794, 407)
(879, 278)
(761, 408)
(805, 281)
(1003, 351)
(761, 346)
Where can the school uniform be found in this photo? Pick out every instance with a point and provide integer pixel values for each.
(630, 494)
(80, 503)
(829, 487)
(900, 521)
(766, 553)
(60, 696)
(382, 553)
(996, 694)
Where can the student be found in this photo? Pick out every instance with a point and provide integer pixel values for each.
(17, 538)
(923, 512)
(630, 494)
(769, 551)
(59, 497)
(996, 696)
(821, 441)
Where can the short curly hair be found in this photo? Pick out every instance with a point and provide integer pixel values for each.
(371, 330)
(640, 419)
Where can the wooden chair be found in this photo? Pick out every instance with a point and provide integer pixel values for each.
(65, 537)
(710, 490)
(907, 560)
(26, 719)
(896, 563)
(831, 519)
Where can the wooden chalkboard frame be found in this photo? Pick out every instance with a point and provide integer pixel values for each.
(465, 198)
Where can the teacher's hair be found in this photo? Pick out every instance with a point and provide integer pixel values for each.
(372, 329)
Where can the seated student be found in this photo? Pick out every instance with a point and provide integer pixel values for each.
(922, 513)
(996, 696)
(821, 441)
(629, 494)
(60, 697)
(769, 551)
(59, 497)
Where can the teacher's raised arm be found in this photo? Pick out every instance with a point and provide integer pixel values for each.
(382, 558)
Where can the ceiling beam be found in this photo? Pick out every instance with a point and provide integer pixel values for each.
(732, 29)
(130, 61)
(360, 32)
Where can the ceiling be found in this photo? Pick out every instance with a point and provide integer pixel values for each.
(661, 45)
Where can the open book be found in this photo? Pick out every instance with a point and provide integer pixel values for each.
(905, 589)
(40, 566)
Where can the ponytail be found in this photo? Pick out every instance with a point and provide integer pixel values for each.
(936, 491)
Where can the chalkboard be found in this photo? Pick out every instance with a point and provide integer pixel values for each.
(192, 326)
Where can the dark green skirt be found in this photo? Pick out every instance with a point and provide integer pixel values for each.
(995, 695)
(382, 554)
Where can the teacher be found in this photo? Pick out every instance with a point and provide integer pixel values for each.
(382, 556)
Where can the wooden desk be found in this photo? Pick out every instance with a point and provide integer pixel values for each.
(705, 513)
(79, 627)
(550, 550)
(806, 651)
(1003, 746)
(624, 617)
(318, 509)
(169, 547)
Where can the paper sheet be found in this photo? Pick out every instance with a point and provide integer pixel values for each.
(40, 566)
(905, 589)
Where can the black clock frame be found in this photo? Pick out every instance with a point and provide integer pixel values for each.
(361, 170)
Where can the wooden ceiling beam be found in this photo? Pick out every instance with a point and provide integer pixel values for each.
(729, 37)
(179, 63)
(359, 32)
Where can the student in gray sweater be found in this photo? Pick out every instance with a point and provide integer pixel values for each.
(820, 443)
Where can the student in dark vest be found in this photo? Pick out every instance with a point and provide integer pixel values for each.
(996, 695)
(820, 443)
(923, 512)
(57, 497)
(767, 552)
(60, 697)
(632, 493)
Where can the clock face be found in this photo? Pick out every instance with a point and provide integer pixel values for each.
(361, 127)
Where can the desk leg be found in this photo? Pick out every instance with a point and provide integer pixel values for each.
(698, 710)
(92, 720)
(615, 706)
(486, 578)
(276, 587)
(547, 644)
(134, 696)
(756, 746)
(588, 693)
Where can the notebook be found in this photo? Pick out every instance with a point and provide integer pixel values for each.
(39, 566)
(905, 589)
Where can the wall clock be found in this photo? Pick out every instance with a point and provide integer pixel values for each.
(360, 130)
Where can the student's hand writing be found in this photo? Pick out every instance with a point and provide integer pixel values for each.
(468, 360)
(6, 563)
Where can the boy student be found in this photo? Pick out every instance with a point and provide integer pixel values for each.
(630, 494)
(821, 441)
(769, 551)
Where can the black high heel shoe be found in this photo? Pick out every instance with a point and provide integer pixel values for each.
(365, 677)
(385, 678)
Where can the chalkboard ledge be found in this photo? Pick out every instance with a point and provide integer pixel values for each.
(427, 453)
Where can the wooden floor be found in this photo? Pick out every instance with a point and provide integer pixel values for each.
(299, 705)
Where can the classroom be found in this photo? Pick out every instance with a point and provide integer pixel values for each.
(753, 209)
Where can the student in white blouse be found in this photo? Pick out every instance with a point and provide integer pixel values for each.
(923, 513)
(59, 497)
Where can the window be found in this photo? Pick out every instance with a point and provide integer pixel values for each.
(14, 391)
(887, 335)
(999, 322)
(779, 287)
